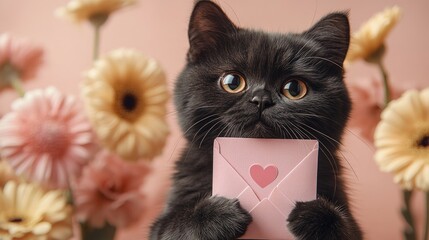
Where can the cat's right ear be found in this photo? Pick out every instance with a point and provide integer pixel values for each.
(208, 27)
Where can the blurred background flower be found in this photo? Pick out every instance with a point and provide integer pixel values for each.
(81, 10)
(125, 95)
(109, 192)
(401, 137)
(95, 11)
(368, 44)
(46, 137)
(27, 212)
(402, 140)
(6, 173)
(371, 36)
(367, 94)
(19, 60)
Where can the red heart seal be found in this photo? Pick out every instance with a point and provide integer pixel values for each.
(263, 176)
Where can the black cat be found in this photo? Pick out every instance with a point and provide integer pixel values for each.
(246, 83)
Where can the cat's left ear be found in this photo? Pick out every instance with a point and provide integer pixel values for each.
(208, 27)
(333, 33)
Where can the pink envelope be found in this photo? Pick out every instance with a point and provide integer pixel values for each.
(267, 176)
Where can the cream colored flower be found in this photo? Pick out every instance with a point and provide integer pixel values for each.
(125, 95)
(402, 140)
(371, 35)
(80, 10)
(28, 212)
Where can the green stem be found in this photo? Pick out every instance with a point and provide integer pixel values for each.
(97, 22)
(409, 231)
(386, 84)
(426, 233)
(377, 58)
(107, 232)
(96, 49)
(10, 77)
(17, 85)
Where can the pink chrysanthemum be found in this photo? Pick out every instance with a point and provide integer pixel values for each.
(110, 191)
(367, 96)
(18, 58)
(46, 137)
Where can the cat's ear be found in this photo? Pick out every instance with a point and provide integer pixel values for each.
(333, 33)
(208, 27)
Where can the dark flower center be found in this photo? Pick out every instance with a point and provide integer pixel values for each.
(16, 220)
(424, 142)
(129, 102)
(128, 105)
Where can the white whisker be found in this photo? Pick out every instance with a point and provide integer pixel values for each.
(325, 59)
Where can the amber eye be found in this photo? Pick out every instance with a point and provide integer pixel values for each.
(295, 89)
(233, 82)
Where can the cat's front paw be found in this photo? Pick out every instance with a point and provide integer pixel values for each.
(219, 218)
(320, 219)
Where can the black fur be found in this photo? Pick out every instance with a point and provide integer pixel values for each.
(206, 111)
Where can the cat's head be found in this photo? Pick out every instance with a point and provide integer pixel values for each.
(245, 83)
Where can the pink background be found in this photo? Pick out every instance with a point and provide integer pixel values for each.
(159, 28)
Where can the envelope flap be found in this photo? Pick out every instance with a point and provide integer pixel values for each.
(225, 175)
(282, 154)
(281, 202)
(248, 199)
(301, 183)
(268, 223)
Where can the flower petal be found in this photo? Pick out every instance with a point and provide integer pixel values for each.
(403, 125)
(123, 71)
(36, 135)
(26, 201)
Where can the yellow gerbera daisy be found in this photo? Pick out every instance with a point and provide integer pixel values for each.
(371, 35)
(402, 140)
(125, 95)
(80, 10)
(28, 212)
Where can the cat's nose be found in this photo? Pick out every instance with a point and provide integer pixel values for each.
(262, 98)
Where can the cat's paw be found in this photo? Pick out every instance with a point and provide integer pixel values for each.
(219, 218)
(320, 219)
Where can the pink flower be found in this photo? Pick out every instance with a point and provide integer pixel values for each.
(110, 190)
(367, 95)
(18, 56)
(46, 137)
